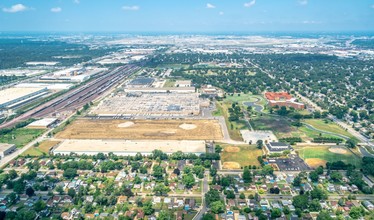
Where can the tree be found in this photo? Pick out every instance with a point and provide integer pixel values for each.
(71, 192)
(259, 144)
(147, 208)
(318, 193)
(247, 177)
(315, 206)
(218, 149)
(208, 216)
(351, 143)
(267, 170)
(217, 207)
(12, 174)
(176, 171)
(59, 189)
(296, 181)
(212, 196)
(70, 173)
(336, 176)
(324, 215)
(356, 212)
(314, 176)
(161, 189)
(242, 196)
(165, 215)
(230, 194)
(158, 172)
(300, 201)
(188, 180)
(39, 206)
(30, 192)
(276, 213)
(19, 187)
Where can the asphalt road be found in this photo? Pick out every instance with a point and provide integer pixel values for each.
(205, 189)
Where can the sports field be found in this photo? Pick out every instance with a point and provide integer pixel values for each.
(235, 157)
(319, 155)
(143, 130)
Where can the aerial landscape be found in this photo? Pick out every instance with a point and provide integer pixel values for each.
(187, 110)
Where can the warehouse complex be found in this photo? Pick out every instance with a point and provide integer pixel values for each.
(13, 97)
(150, 104)
(127, 147)
(6, 149)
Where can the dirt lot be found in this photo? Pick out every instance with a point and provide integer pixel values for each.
(235, 157)
(315, 162)
(142, 130)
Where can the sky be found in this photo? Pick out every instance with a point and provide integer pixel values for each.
(187, 15)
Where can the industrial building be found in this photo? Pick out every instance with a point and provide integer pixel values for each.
(127, 147)
(6, 149)
(159, 104)
(43, 123)
(13, 97)
(162, 90)
(141, 82)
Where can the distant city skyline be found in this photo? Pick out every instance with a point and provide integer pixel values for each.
(187, 15)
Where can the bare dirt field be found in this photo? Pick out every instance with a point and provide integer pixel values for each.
(232, 149)
(315, 162)
(231, 165)
(338, 150)
(142, 130)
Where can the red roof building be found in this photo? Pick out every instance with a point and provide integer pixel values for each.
(283, 99)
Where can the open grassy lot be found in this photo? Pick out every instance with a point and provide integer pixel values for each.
(234, 127)
(235, 157)
(318, 155)
(327, 125)
(169, 83)
(273, 123)
(143, 130)
(21, 136)
(43, 148)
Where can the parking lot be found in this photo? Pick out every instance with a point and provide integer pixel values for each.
(294, 163)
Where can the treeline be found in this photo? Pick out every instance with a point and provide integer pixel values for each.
(327, 140)
(291, 140)
(5, 131)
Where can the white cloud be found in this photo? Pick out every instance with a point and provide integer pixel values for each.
(77, 1)
(56, 10)
(208, 5)
(303, 2)
(221, 13)
(372, 6)
(250, 4)
(15, 8)
(131, 8)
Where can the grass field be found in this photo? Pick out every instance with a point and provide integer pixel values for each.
(21, 136)
(238, 156)
(43, 148)
(143, 130)
(329, 126)
(319, 155)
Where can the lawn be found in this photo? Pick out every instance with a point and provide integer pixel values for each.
(319, 155)
(329, 126)
(43, 148)
(240, 155)
(21, 136)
